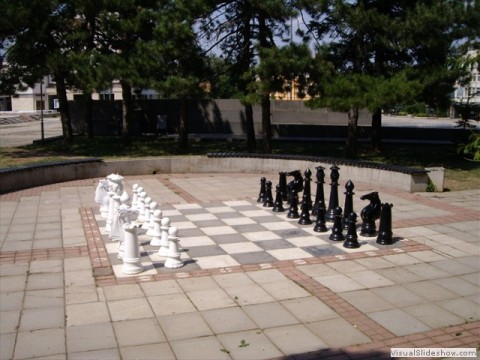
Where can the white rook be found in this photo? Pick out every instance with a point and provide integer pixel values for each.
(131, 258)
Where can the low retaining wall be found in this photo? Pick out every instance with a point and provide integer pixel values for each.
(402, 178)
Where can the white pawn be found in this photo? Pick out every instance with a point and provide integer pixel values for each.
(173, 257)
(137, 198)
(153, 208)
(164, 243)
(134, 195)
(147, 214)
(156, 232)
(141, 206)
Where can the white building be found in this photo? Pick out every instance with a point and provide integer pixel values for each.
(468, 92)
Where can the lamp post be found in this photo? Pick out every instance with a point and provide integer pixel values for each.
(41, 110)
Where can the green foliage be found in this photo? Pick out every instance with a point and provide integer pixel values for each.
(471, 149)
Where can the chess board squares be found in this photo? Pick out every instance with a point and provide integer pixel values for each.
(238, 203)
(220, 209)
(240, 247)
(258, 257)
(256, 213)
(185, 207)
(239, 221)
(289, 254)
(364, 246)
(201, 217)
(219, 230)
(213, 262)
(261, 236)
(324, 250)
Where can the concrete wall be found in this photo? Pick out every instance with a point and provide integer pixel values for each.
(43, 175)
(220, 116)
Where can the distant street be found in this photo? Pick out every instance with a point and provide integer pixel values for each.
(24, 133)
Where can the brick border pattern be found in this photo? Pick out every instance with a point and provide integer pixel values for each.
(13, 257)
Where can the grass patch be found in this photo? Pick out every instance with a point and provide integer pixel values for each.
(460, 173)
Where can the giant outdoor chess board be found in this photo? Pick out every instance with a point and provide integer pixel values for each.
(230, 233)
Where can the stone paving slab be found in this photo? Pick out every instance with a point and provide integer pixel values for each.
(350, 306)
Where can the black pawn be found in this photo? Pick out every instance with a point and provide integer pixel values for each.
(351, 240)
(305, 214)
(385, 228)
(268, 197)
(278, 205)
(319, 194)
(348, 208)
(307, 193)
(282, 182)
(320, 220)
(293, 210)
(337, 229)
(261, 194)
(333, 200)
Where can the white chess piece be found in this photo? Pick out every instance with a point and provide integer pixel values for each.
(156, 232)
(115, 188)
(102, 198)
(116, 229)
(131, 258)
(134, 195)
(141, 205)
(164, 243)
(153, 208)
(111, 211)
(173, 257)
(147, 213)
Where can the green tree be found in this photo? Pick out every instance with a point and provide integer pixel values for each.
(380, 53)
(241, 29)
(40, 45)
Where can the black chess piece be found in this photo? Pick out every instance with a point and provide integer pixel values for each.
(278, 205)
(269, 196)
(385, 227)
(320, 220)
(348, 208)
(261, 194)
(351, 240)
(305, 214)
(296, 184)
(319, 194)
(337, 229)
(333, 200)
(370, 214)
(293, 210)
(307, 193)
(282, 182)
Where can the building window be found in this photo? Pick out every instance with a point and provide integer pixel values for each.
(107, 96)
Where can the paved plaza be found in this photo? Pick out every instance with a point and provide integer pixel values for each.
(255, 285)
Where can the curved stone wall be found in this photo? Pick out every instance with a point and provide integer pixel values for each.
(406, 179)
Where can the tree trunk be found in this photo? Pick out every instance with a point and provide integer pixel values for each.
(183, 125)
(266, 124)
(351, 145)
(127, 112)
(265, 100)
(251, 142)
(63, 108)
(377, 131)
(88, 103)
